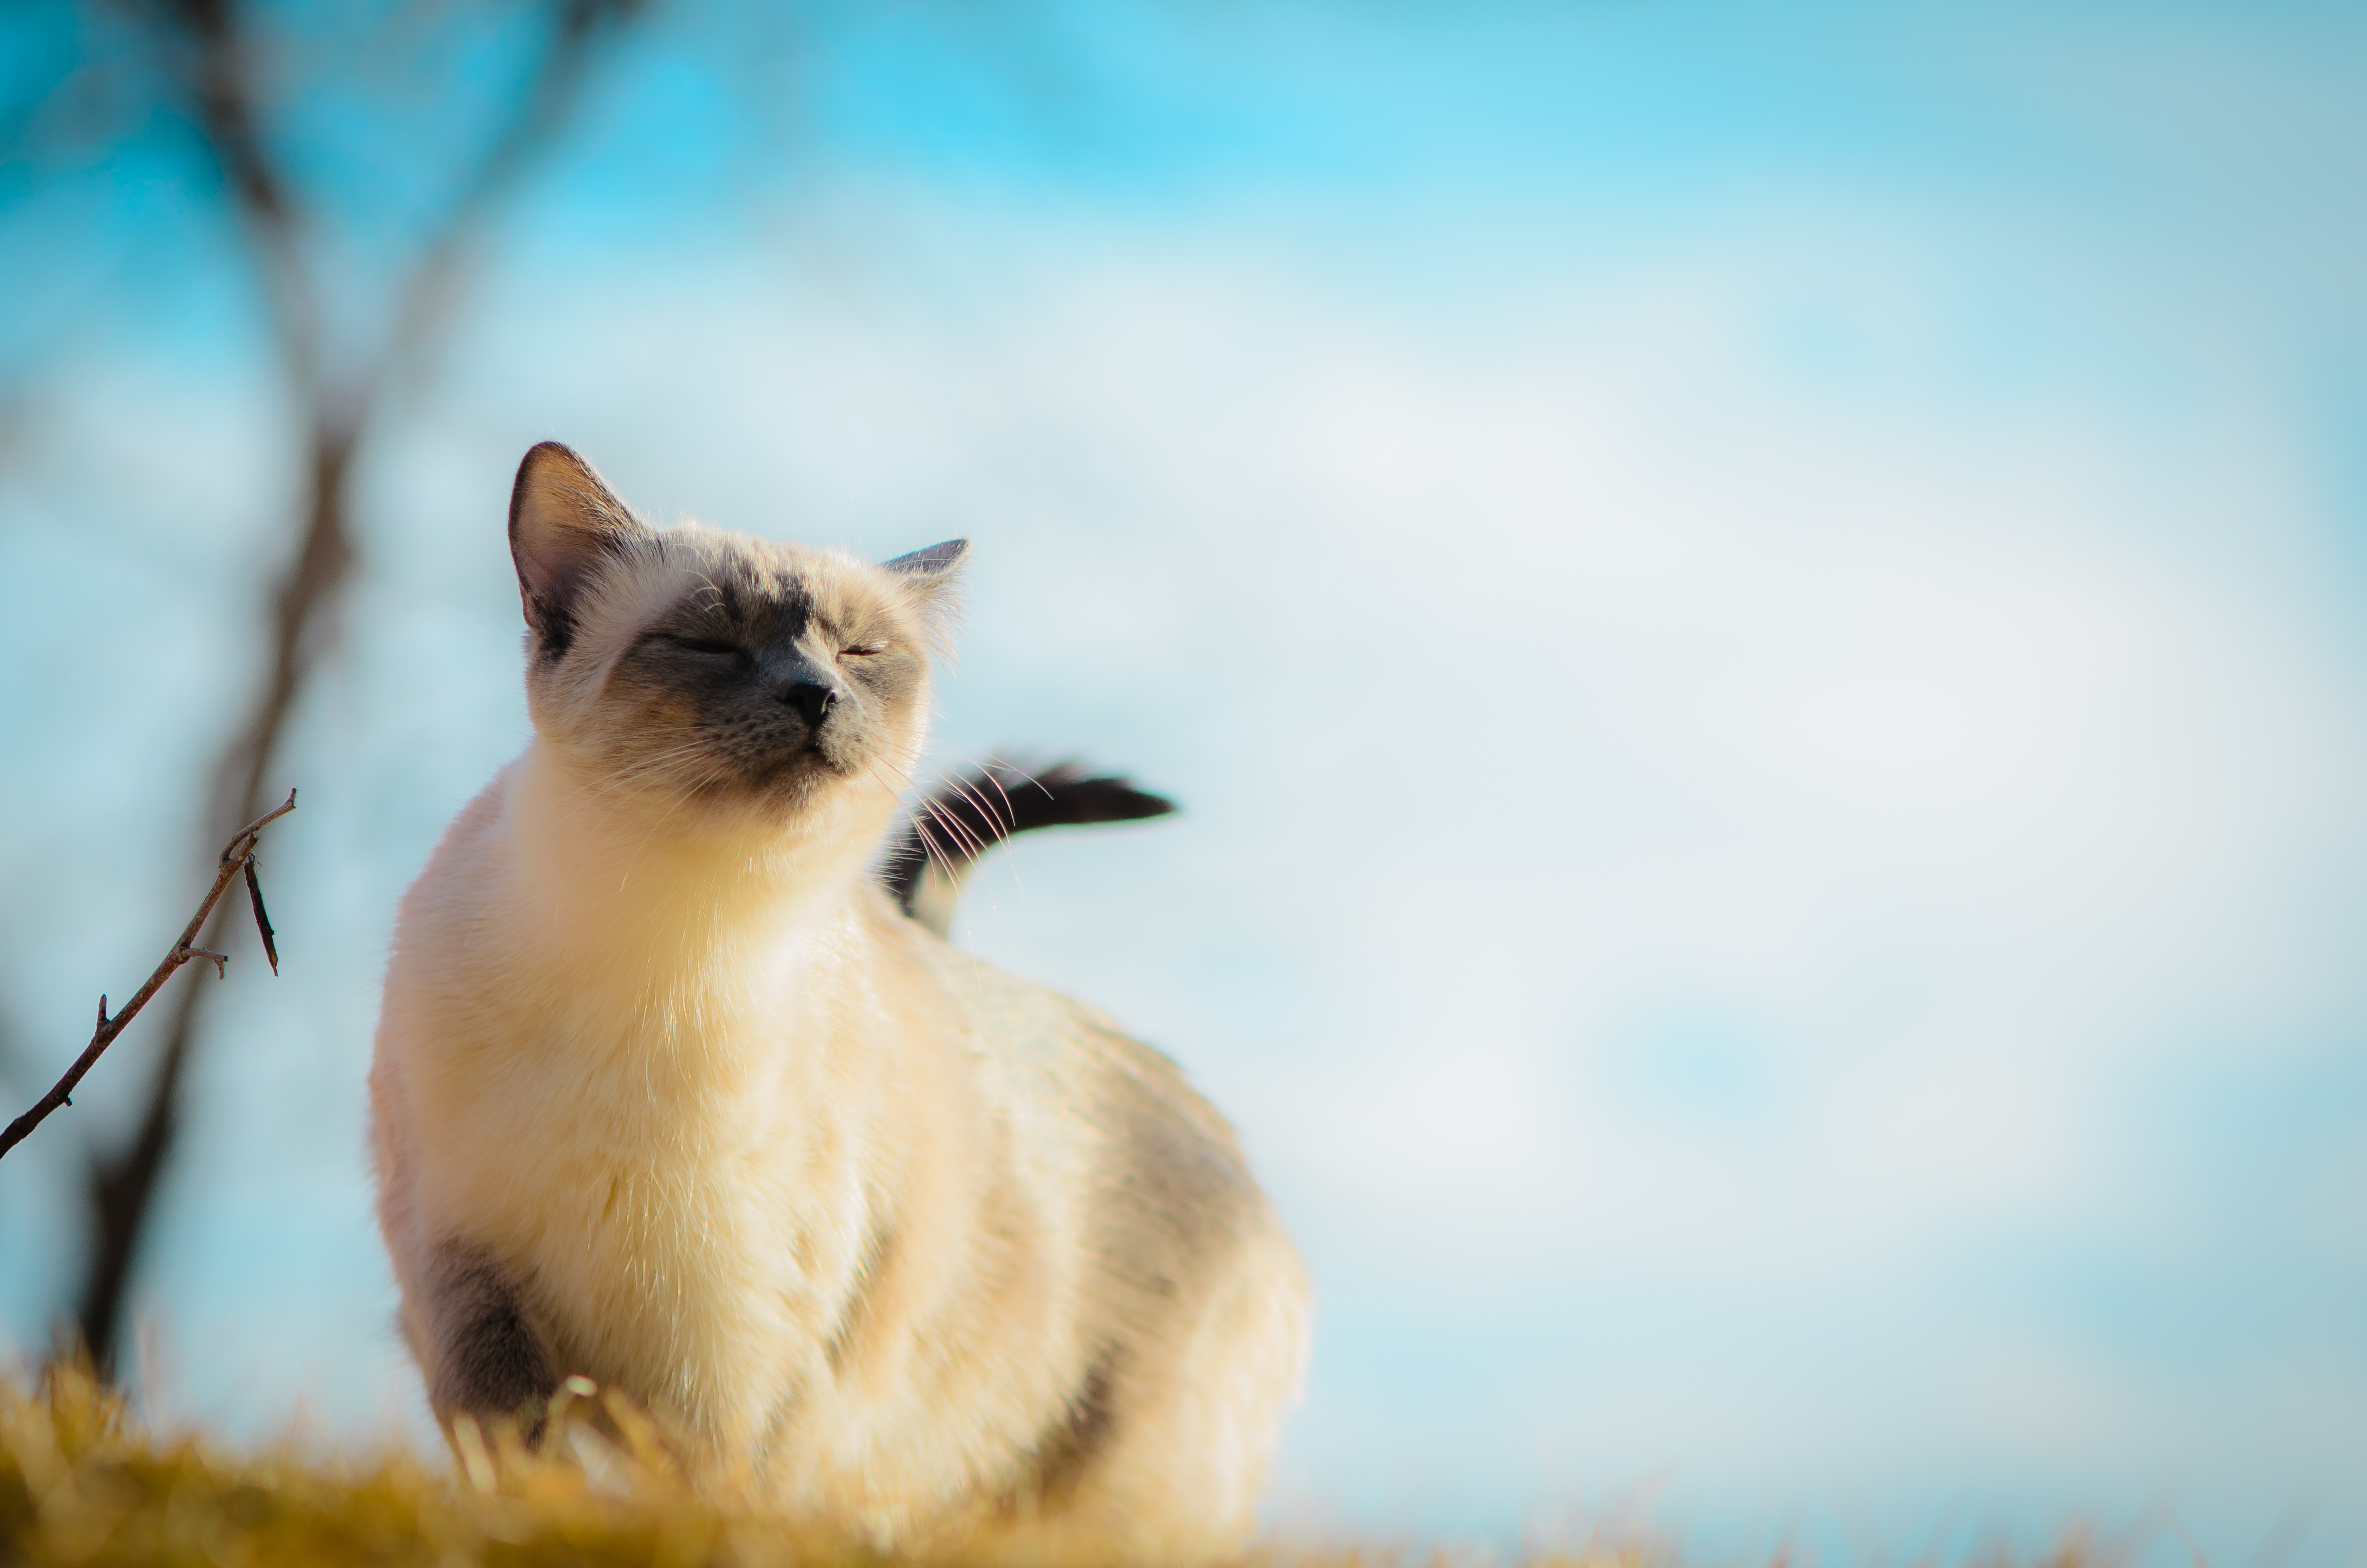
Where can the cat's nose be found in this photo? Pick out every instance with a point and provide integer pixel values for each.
(798, 682)
(810, 698)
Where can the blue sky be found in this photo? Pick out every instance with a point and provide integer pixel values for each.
(1757, 612)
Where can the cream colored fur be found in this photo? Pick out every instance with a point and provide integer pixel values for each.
(932, 1250)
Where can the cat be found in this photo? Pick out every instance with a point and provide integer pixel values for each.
(669, 1093)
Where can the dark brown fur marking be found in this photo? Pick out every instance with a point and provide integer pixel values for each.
(1071, 1444)
(491, 1362)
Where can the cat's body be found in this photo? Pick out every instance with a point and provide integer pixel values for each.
(669, 1094)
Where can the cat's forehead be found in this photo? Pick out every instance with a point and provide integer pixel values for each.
(699, 569)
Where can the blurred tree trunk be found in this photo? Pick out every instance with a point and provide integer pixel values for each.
(213, 48)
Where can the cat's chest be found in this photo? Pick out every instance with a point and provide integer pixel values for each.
(581, 1119)
(681, 1215)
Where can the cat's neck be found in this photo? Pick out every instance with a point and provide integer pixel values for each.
(653, 887)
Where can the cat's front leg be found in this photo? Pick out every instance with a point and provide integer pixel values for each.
(486, 1360)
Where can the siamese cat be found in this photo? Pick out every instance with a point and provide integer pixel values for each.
(668, 1091)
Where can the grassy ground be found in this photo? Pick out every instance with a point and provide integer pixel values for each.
(80, 1483)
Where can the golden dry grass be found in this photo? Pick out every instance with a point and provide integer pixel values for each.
(81, 1483)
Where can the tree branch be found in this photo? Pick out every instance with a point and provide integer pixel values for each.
(542, 106)
(217, 49)
(222, 91)
(237, 857)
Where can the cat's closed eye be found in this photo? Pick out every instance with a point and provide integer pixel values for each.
(702, 645)
(863, 650)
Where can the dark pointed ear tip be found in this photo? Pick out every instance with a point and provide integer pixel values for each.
(555, 483)
(542, 453)
(932, 562)
(538, 454)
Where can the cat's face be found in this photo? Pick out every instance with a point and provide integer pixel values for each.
(695, 670)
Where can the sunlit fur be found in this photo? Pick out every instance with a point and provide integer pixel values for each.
(933, 1252)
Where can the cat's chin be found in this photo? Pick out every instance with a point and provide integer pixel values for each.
(797, 791)
(796, 783)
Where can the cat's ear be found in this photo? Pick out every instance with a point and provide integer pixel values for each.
(934, 577)
(937, 561)
(563, 523)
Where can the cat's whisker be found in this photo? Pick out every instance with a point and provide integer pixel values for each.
(904, 774)
(1006, 820)
(707, 583)
(997, 769)
(971, 845)
(999, 822)
(917, 823)
(921, 832)
(937, 852)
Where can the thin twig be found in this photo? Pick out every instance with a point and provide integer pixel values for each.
(237, 857)
(262, 921)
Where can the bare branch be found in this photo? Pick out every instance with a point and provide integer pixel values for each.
(543, 107)
(271, 213)
(217, 49)
(221, 89)
(236, 857)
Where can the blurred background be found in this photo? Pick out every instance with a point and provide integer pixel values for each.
(1757, 612)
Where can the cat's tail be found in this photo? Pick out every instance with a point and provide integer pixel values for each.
(966, 816)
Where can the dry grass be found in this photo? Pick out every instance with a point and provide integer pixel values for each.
(80, 1483)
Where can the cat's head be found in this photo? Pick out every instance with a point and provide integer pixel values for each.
(695, 670)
